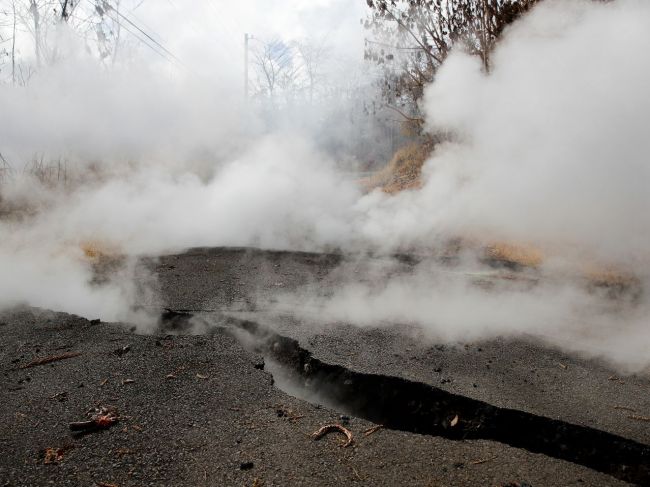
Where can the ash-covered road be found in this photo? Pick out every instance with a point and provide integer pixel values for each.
(201, 410)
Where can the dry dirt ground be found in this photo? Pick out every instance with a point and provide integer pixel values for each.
(204, 410)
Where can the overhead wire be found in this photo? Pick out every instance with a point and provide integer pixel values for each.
(171, 54)
(165, 54)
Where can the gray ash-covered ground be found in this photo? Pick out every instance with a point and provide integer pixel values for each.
(200, 410)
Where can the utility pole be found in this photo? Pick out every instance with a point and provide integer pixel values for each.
(13, 48)
(246, 39)
(33, 9)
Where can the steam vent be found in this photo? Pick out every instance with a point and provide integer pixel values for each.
(324, 243)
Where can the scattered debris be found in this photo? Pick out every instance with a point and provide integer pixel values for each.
(128, 381)
(50, 359)
(562, 365)
(105, 484)
(103, 383)
(101, 418)
(170, 376)
(284, 412)
(616, 379)
(60, 396)
(454, 421)
(201, 376)
(257, 482)
(334, 427)
(372, 430)
(638, 417)
(53, 455)
(484, 460)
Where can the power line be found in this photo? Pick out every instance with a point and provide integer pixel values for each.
(148, 36)
(167, 58)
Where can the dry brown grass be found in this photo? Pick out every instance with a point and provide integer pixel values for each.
(403, 172)
(606, 276)
(524, 255)
(95, 250)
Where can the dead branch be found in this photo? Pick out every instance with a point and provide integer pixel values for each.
(410, 119)
(48, 360)
(101, 418)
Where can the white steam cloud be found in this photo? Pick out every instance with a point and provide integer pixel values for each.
(549, 148)
(555, 146)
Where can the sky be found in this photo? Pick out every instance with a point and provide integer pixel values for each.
(212, 31)
(207, 35)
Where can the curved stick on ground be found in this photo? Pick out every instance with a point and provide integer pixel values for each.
(328, 428)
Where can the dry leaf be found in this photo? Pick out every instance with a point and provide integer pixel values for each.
(454, 421)
(53, 455)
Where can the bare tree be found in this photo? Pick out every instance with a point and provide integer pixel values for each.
(312, 54)
(67, 6)
(98, 22)
(414, 37)
(274, 63)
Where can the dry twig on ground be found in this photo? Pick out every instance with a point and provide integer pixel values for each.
(101, 418)
(50, 359)
(372, 430)
(334, 427)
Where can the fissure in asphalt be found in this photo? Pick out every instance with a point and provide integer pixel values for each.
(415, 407)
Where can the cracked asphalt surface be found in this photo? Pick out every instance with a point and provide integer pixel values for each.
(199, 410)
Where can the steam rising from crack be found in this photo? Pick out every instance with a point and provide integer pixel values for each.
(549, 148)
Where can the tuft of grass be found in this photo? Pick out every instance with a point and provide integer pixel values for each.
(404, 171)
(523, 255)
(95, 250)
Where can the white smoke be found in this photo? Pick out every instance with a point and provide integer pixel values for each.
(148, 156)
(555, 146)
(550, 149)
